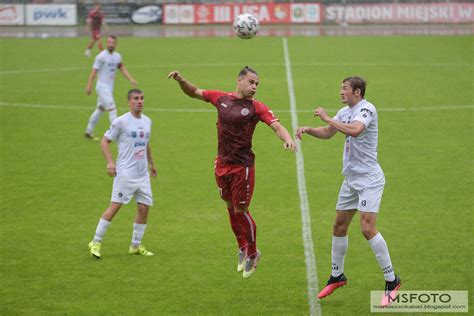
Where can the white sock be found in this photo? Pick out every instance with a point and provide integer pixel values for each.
(112, 115)
(138, 232)
(93, 120)
(339, 249)
(101, 229)
(380, 249)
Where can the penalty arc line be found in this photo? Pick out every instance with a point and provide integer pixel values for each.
(310, 260)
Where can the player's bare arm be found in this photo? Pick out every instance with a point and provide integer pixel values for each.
(281, 131)
(150, 161)
(323, 132)
(104, 146)
(127, 75)
(352, 129)
(188, 87)
(92, 76)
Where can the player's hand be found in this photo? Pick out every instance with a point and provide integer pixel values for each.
(302, 130)
(290, 145)
(153, 171)
(111, 169)
(175, 75)
(321, 112)
(88, 90)
(133, 82)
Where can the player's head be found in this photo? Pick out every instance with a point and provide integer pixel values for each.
(111, 43)
(135, 100)
(247, 83)
(353, 90)
(97, 6)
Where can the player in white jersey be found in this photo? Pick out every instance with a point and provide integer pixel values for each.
(131, 178)
(104, 68)
(363, 184)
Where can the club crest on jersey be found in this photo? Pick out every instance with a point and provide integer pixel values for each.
(134, 134)
(244, 111)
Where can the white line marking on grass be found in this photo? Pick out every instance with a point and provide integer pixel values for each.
(239, 65)
(211, 110)
(311, 275)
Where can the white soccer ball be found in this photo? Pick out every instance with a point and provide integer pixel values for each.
(246, 26)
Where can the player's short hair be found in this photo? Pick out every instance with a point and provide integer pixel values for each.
(133, 91)
(357, 83)
(246, 70)
(113, 36)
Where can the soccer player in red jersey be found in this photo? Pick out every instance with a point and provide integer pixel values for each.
(238, 114)
(95, 20)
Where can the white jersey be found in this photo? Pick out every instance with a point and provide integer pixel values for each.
(132, 136)
(106, 64)
(360, 153)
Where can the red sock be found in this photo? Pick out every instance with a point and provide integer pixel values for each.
(249, 230)
(237, 229)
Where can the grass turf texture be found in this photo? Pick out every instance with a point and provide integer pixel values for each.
(54, 185)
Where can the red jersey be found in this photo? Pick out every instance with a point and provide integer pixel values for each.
(96, 18)
(236, 123)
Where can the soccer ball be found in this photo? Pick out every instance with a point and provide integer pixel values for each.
(246, 26)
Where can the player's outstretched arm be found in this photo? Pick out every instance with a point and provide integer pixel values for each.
(104, 146)
(188, 87)
(283, 134)
(352, 129)
(323, 132)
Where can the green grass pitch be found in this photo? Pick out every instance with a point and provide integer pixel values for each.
(54, 185)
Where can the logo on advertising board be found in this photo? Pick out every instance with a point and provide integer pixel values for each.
(11, 14)
(46, 14)
(305, 13)
(178, 14)
(280, 12)
(202, 13)
(148, 14)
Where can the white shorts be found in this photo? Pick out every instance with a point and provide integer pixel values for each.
(361, 192)
(105, 99)
(124, 188)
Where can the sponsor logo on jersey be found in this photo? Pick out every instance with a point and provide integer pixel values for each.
(223, 104)
(138, 144)
(142, 134)
(134, 134)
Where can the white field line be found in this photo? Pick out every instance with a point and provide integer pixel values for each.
(311, 274)
(211, 110)
(238, 66)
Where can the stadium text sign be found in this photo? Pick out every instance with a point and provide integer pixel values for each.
(51, 14)
(277, 13)
(400, 13)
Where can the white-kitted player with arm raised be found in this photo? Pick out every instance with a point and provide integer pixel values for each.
(105, 66)
(363, 185)
(132, 133)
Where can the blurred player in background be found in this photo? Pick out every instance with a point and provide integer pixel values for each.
(238, 114)
(132, 132)
(363, 185)
(95, 20)
(105, 66)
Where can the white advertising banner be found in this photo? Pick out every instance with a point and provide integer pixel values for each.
(11, 14)
(51, 14)
(400, 13)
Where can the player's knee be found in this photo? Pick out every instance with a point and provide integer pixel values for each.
(368, 230)
(340, 229)
(241, 208)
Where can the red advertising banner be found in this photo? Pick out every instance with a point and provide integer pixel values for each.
(400, 13)
(266, 13)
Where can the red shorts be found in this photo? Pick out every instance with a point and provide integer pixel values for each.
(96, 33)
(235, 182)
